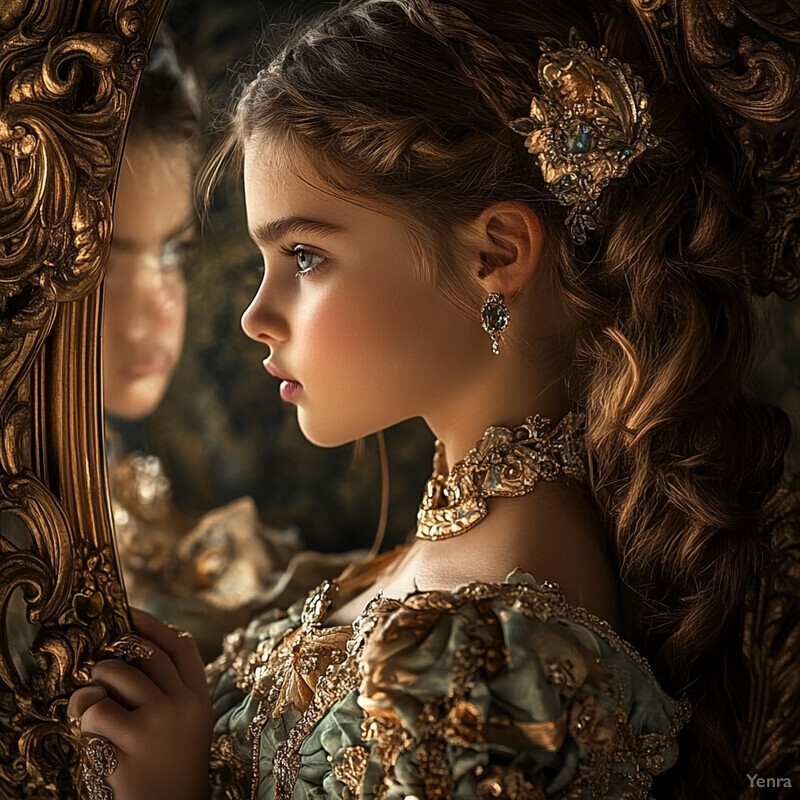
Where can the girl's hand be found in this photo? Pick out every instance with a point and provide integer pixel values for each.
(156, 715)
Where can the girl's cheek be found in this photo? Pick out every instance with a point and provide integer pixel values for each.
(338, 326)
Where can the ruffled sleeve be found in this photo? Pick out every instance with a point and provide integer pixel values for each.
(492, 691)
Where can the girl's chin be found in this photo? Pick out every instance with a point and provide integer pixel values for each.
(137, 403)
(326, 436)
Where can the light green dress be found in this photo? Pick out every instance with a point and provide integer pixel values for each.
(494, 690)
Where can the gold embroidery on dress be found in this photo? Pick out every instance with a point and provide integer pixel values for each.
(289, 676)
(227, 769)
(434, 769)
(608, 739)
(351, 771)
(391, 739)
(547, 736)
(335, 685)
(505, 783)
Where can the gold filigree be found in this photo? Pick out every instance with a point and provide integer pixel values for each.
(233, 646)
(352, 768)
(283, 674)
(282, 681)
(305, 656)
(129, 647)
(589, 124)
(391, 740)
(505, 463)
(226, 769)
(434, 769)
(590, 723)
(505, 783)
(561, 673)
(335, 685)
(99, 761)
(463, 723)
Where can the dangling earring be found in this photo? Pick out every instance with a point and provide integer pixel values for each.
(494, 316)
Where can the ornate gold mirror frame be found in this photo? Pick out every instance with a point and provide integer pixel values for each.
(68, 73)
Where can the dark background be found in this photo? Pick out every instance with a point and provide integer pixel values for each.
(223, 431)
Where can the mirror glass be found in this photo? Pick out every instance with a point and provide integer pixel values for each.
(220, 505)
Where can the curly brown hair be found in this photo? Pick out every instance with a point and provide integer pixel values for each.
(407, 102)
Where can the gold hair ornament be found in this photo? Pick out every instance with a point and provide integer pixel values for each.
(589, 124)
(505, 463)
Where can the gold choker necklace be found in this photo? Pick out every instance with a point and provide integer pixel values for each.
(504, 463)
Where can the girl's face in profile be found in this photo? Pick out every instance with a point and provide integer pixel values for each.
(360, 339)
(145, 295)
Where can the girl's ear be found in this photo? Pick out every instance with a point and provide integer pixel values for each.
(509, 239)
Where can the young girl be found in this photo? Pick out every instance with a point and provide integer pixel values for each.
(514, 220)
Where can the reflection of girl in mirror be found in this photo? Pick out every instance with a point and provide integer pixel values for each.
(144, 293)
(199, 574)
(144, 307)
(422, 259)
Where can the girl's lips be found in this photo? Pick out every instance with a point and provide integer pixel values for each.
(276, 373)
(290, 389)
(159, 362)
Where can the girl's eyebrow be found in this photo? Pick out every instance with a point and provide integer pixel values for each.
(270, 232)
(129, 245)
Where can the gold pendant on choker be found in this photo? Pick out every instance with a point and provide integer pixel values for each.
(504, 463)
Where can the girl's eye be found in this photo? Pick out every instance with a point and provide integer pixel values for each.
(307, 260)
(173, 255)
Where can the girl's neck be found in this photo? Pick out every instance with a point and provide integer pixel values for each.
(463, 430)
(510, 387)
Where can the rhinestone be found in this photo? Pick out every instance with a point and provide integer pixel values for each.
(495, 317)
(580, 140)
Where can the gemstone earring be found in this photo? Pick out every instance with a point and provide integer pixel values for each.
(494, 316)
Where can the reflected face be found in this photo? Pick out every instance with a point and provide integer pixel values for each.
(144, 307)
(360, 339)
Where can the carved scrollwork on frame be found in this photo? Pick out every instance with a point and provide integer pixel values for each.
(771, 646)
(742, 58)
(68, 72)
(740, 52)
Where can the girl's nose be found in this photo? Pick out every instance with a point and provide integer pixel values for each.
(262, 320)
(145, 294)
